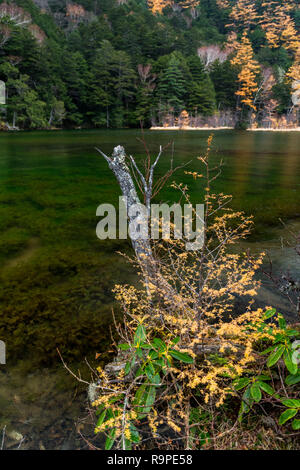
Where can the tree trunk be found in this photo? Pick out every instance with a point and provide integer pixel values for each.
(50, 117)
(142, 246)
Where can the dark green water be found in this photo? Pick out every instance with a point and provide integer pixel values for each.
(56, 276)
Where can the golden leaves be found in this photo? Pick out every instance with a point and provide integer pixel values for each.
(244, 13)
(279, 26)
(249, 69)
(157, 6)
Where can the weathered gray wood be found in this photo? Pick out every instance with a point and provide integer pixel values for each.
(142, 247)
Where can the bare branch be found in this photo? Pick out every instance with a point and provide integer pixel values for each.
(139, 172)
(103, 155)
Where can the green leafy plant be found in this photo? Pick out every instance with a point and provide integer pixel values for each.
(281, 351)
(148, 363)
(293, 407)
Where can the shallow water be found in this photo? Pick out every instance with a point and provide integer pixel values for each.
(56, 276)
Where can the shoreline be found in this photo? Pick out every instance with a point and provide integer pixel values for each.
(161, 128)
(187, 128)
(272, 129)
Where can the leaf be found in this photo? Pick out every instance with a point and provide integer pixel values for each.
(140, 335)
(286, 415)
(127, 368)
(159, 344)
(255, 392)
(139, 353)
(124, 346)
(266, 351)
(266, 388)
(292, 379)
(114, 399)
(99, 410)
(296, 424)
(175, 340)
(135, 436)
(132, 362)
(263, 377)
(128, 445)
(241, 383)
(279, 338)
(246, 404)
(291, 403)
(156, 379)
(269, 313)
(110, 440)
(160, 363)
(282, 322)
(292, 333)
(139, 394)
(288, 360)
(183, 357)
(101, 418)
(139, 372)
(144, 399)
(150, 371)
(152, 354)
(276, 355)
(150, 398)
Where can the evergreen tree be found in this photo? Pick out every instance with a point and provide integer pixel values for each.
(201, 99)
(111, 86)
(85, 70)
(225, 79)
(24, 107)
(172, 86)
(75, 77)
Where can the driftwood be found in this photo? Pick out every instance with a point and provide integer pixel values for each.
(142, 246)
(121, 171)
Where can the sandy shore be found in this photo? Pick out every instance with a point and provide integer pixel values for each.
(187, 128)
(293, 129)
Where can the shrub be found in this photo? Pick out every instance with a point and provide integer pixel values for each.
(183, 344)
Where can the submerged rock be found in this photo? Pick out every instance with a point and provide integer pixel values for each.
(16, 436)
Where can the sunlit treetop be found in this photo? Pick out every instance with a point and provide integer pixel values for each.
(244, 14)
(279, 26)
(157, 6)
(249, 69)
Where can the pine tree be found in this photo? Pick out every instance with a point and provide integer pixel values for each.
(144, 96)
(225, 79)
(201, 96)
(75, 76)
(24, 109)
(172, 85)
(111, 86)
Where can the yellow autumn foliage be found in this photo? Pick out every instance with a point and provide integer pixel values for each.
(198, 309)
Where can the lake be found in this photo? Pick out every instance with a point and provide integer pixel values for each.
(57, 277)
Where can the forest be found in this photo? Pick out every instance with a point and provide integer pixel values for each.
(132, 63)
(149, 325)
